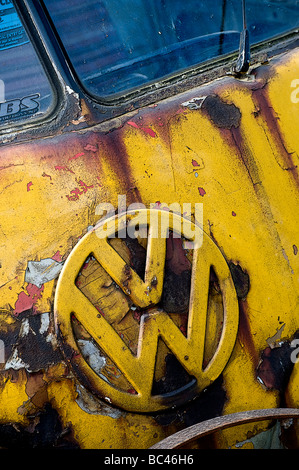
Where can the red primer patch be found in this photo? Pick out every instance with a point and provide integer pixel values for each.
(77, 156)
(27, 301)
(146, 129)
(57, 256)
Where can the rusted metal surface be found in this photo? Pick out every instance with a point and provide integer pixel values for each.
(197, 431)
(230, 144)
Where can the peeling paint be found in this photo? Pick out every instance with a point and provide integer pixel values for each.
(201, 191)
(74, 157)
(57, 256)
(63, 167)
(275, 366)
(93, 356)
(146, 129)
(194, 103)
(78, 191)
(45, 322)
(25, 328)
(70, 91)
(234, 157)
(90, 147)
(35, 334)
(94, 406)
(274, 340)
(27, 300)
(40, 272)
(44, 431)
(269, 439)
(15, 362)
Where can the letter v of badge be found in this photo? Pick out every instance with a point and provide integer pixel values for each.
(112, 295)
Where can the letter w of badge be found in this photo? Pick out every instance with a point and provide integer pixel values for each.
(108, 299)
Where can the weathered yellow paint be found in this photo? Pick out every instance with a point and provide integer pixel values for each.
(13, 397)
(96, 429)
(245, 175)
(248, 395)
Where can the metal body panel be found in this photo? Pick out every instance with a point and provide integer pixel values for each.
(231, 145)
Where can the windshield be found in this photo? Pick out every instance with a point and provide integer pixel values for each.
(116, 45)
(25, 91)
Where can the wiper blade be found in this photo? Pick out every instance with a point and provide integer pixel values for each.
(243, 61)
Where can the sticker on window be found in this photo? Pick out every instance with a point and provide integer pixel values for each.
(19, 108)
(12, 33)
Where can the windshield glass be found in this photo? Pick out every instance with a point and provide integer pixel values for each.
(25, 92)
(116, 45)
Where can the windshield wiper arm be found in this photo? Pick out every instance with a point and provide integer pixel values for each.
(243, 61)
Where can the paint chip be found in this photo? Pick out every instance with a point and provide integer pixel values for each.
(77, 156)
(201, 191)
(27, 301)
(57, 256)
(93, 356)
(39, 272)
(91, 147)
(194, 103)
(15, 362)
(44, 323)
(63, 167)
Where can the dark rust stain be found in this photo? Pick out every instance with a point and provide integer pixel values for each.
(208, 404)
(127, 271)
(246, 156)
(241, 280)
(224, 115)
(118, 158)
(45, 431)
(289, 434)
(35, 341)
(263, 104)
(88, 383)
(175, 377)
(276, 365)
(176, 292)
(250, 164)
(245, 334)
(137, 256)
(9, 336)
(177, 277)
